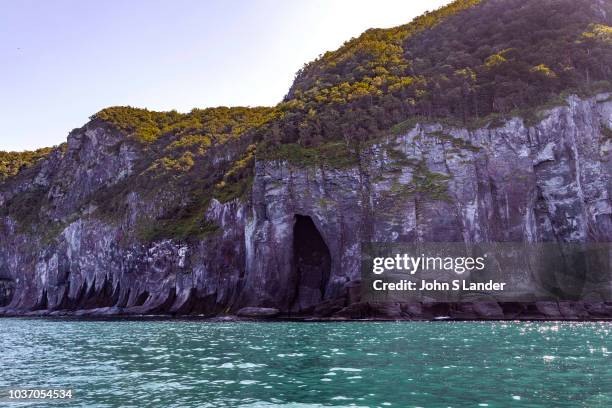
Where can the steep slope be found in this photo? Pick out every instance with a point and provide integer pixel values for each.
(545, 182)
(465, 61)
(436, 130)
(181, 160)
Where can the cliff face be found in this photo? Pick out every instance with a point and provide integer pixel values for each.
(220, 209)
(294, 242)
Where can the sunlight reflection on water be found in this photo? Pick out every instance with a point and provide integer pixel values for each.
(188, 363)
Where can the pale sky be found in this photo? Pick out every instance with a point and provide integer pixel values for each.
(63, 60)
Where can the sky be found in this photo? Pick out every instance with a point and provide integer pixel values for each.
(61, 61)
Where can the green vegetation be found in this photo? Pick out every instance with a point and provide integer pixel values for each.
(183, 224)
(598, 32)
(332, 154)
(464, 62)
(25, 207)
(193, 157)
(469, 64)
(198, 129)
(398, 158)
(21, 206)
(239, 189)
(237, 181)
(456, 142)
(11, 163)
(425, 184)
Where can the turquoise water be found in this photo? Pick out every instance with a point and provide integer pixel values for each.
(408, 364)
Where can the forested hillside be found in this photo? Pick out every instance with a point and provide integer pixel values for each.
(469, 63)
(468, 60)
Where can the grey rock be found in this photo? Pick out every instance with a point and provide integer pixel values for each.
(549, 309)
(488, 310)
(544, 183)
(573, 310)
(258, 312)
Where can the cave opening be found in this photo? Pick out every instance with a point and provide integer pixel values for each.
(311, 264)
(7, 290)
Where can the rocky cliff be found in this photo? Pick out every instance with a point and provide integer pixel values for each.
(293, 241)
(455, 127)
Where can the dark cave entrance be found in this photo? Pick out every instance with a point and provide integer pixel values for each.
(311, 264)
(7, 290)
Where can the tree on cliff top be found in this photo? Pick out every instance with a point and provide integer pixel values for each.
(467, 60)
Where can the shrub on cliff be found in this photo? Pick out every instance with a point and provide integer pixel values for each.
(12, 163)
(464, 61)
(469, 63)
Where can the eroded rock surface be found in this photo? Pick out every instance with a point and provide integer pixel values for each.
(258, 312)
(546, 182)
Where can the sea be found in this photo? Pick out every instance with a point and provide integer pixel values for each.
(183, 363)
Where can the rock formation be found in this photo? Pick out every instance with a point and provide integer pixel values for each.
(484, 121)
(293, 243)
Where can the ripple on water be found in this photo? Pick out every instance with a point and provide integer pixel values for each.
(190, 364)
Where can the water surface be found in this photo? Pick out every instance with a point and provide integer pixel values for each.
(407, 364)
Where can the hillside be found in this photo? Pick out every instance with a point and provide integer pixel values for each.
(469, 60)
(187, 157)
(483, 121)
